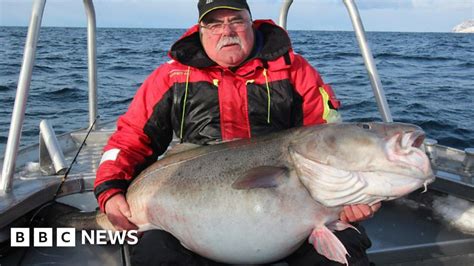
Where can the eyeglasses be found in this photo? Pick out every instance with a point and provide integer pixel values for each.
(236, 25)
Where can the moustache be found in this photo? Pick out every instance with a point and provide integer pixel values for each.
(228, 41)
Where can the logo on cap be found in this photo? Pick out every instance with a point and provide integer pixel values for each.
(209, 1)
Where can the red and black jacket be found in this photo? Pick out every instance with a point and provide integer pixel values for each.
(200, 102)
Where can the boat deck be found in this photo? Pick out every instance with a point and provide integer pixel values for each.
(34, 185)
(400, 234)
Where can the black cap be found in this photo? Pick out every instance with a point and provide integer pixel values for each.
(206, 6)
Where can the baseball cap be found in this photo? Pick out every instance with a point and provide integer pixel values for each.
(206, 6)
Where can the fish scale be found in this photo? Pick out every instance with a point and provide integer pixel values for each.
(257, 200)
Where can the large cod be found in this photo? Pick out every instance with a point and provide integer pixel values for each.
(256, 200)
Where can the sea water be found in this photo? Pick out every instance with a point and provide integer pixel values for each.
(428, 77)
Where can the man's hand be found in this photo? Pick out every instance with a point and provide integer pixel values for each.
(118, 212)
(355, 213)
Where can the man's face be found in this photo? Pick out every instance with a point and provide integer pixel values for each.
(230, 43)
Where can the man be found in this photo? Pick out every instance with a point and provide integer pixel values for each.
(228, 78)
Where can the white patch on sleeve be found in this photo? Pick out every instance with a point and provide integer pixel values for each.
(110, 155)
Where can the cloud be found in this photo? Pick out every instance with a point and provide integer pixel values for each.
(412, 4)
(416, 4)
(386, 4)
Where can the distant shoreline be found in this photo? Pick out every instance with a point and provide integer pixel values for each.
(465, 27)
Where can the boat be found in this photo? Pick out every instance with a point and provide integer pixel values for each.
(406, 232)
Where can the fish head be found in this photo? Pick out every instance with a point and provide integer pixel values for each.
(361, 163)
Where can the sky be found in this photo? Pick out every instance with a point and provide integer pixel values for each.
(377, 15)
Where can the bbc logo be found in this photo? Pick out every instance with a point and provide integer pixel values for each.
(66, 237)
(42, 237)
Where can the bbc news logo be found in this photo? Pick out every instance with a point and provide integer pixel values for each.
(66, 237)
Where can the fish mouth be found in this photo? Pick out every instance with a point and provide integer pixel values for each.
(412, 139)
(405, 149)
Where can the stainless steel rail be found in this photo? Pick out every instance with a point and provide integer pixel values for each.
(92, 60)
(23, 88)
(369, 61)
(375, 82)
(284, 13)
(468, 163)
(54, 152)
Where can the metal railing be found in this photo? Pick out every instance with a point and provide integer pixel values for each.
(379, 93)
(24, 81)
(51, 157)
(92, 61)
(285, 7)
(23, 88)
(375, 82)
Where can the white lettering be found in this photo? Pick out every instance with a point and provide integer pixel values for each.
(87, 238)
(132, 237)
(114, 236)
(43, 237)
(65, 237)
(20, 237)
(101, 236)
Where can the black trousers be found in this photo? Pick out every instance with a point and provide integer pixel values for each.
(158, 247)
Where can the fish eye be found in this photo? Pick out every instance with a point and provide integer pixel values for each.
(364, 126)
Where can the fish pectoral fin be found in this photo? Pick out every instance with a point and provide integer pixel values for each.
(261, 177)
(328, 245)
(340, 226)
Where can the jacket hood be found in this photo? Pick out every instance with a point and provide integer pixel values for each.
(271, 40)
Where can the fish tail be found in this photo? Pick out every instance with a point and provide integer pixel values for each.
(103, 222)
(62, 215)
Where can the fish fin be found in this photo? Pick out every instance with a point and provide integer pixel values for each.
(328, 245)
(261, 177)
(328, 184)
(340, 226)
